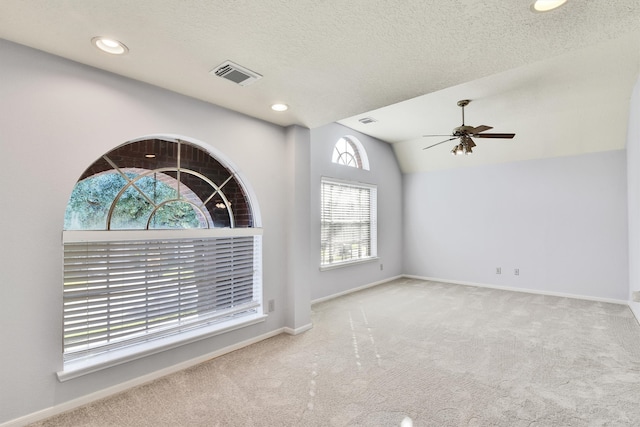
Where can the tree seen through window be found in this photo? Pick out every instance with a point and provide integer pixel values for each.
(91, 199)
(156, 184)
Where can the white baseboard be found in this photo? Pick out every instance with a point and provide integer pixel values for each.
(101, 394)
(299, 330)
(350, 291)
(528, 291)
(635, 309)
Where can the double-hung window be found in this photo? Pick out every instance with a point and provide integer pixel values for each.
(348, 222)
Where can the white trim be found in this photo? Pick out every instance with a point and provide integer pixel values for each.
(352, 183)
(75, 236)
(117, 357)
(347, 263)
(635, 310)
(101, 394)
(373, 220)
(479, 285)
(299, 330)
(350, 291)
(523, 290)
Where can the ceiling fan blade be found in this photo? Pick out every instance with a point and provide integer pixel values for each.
(480, 128)
(427, 136)
(441, 142)
(494, 135)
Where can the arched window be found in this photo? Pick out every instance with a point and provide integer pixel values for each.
(159, 247)
(157, 184)
(349, 151)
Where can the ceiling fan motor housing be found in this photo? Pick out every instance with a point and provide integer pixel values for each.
(463, 130)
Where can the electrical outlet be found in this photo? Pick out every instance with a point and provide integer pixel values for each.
(498, 270)
(381, 267)
(516, 272)
(635, 296)
(271, 306)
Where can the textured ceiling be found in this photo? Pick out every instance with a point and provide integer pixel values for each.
(567, 105)
(327, 59)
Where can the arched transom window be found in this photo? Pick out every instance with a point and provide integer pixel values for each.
(157, 184)
(160, 248)
(348, 151)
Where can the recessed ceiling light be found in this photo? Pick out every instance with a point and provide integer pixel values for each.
(546, 5)
(150, 156)
(109, 45)
(279, 107)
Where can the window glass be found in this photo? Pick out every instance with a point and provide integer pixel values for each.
(345, 153)
(157, 184)
(349, 151)
(158, 243)
(348, 222)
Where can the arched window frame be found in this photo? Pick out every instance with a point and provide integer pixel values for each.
(349, 151)
(245, 242)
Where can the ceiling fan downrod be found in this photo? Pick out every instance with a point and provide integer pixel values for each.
(463, 103)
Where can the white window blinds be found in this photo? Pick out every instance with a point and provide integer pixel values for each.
(123, 292)
(348, 222)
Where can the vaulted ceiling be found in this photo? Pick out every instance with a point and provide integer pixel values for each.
(404, 63)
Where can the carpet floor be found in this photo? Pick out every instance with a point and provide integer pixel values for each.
(409, 353)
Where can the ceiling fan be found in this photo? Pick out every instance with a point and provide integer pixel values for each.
(464, 133)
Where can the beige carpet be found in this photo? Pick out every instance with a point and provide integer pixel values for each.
(410, 353)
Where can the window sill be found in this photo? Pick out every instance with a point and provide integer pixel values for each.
(348, 263)
(79, 368)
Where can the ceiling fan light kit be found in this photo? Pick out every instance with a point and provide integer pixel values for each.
(465, 147)
(464, 134)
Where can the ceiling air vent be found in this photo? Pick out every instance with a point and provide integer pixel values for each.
(367, 120)
(236, 73)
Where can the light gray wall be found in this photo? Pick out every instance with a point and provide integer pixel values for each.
(384, 173)
(633, 174)
(561, 221)
(56, 118)
(298, 214)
